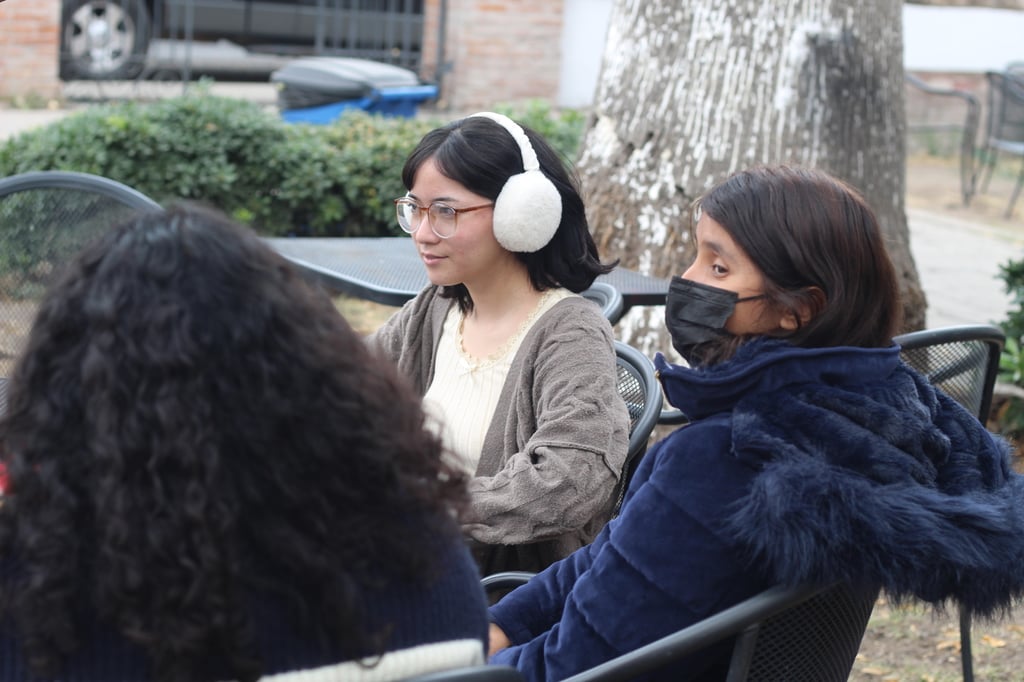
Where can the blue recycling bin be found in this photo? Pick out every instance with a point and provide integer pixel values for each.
(318, 89)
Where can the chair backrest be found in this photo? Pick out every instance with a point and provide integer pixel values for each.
(817, 639)
(1005, 108)
(962, 361)
(45, 218)
(800, 634)
(969, 127)
(639, 388)
(608, 298)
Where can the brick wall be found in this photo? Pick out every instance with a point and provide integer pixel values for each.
(429, 55)
(29, 48)
(496, 51)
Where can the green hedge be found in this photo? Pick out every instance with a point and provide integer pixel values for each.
(333, 180)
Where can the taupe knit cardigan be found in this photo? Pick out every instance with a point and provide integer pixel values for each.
(557, 442)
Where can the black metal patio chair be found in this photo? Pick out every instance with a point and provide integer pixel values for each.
(967, 129)
(638, 385)
(45, 218)
(963, 362)
(608, 298)
(797, 634)
(475, 673)
(1004, 131)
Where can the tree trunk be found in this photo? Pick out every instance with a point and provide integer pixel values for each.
(691, 91)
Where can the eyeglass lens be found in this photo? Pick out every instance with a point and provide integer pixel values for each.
(440, 217)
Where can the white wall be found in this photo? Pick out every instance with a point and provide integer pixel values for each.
(965, 39)
(584, 25)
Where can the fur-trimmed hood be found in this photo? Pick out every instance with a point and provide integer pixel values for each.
(866, 473)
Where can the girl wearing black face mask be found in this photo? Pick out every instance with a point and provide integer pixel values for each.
(808, 439)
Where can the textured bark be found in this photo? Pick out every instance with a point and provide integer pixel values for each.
(691, 91)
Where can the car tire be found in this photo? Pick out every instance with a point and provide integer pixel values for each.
(103, 39)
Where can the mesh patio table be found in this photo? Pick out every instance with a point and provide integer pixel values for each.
(388, 270)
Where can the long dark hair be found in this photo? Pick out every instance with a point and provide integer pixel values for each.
(820, 249)
(192, 424)
(481, 155)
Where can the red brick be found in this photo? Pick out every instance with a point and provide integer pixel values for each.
(29, 42)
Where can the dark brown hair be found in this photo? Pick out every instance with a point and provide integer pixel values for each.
(820, 249)
(481, 155)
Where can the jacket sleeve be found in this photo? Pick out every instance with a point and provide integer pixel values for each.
(564, 474)
(531, 609)
(661, 565)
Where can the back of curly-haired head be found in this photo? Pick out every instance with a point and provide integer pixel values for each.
(192, 424)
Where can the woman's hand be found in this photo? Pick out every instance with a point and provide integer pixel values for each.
(497, 640)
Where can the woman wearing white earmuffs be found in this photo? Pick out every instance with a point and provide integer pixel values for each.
(517, 369)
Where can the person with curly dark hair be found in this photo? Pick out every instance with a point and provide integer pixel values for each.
(211, 477)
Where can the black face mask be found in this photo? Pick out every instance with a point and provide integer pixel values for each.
(695, 314)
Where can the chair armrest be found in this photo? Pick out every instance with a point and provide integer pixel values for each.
(505, 580)
(698, 636)
(476, 673)
(672, 416)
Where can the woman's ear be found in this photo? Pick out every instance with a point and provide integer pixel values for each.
(809, 303)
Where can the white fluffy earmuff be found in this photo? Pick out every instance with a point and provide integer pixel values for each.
(528, 209)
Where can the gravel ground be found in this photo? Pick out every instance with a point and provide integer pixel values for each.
(914, 643)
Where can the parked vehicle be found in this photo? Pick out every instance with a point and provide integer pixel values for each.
(110, 39)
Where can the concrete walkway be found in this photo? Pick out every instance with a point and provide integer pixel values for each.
(958, 261)
(14, 121)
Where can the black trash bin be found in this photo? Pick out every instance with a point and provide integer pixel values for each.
(319, 89)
